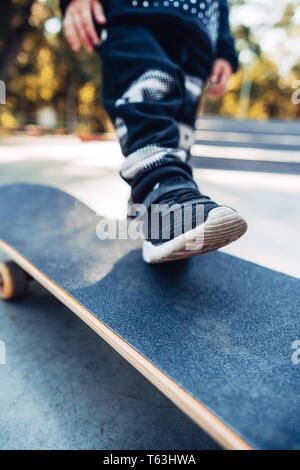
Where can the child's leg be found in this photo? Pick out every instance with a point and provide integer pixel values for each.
(144, 92)
(147, 96)
(194, 89)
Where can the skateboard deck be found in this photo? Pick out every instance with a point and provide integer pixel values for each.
(214, 333)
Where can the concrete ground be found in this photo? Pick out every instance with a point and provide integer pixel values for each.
(63, 387)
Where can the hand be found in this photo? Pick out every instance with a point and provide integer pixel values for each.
(218, 81)
(78, 23)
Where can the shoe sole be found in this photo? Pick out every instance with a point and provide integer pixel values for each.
(223, 226)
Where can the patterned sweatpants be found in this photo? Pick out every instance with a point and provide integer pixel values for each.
(151, 90)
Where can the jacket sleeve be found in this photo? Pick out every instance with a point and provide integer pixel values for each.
(63, 5)
(225, 45)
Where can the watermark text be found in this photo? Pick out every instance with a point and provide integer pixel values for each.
(296, 94)
(2, 353)
(2, 92)
(296, 354)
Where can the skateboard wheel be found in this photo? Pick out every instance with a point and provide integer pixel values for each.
(13, 280)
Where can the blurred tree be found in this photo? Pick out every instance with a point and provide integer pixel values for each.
(258, 90)
(42, 73)
(13, 26)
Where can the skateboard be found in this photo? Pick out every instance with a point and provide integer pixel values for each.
(214, 333)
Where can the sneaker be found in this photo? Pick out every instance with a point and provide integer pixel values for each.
(180, 222)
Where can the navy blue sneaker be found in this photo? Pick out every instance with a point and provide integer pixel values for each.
(180, 222)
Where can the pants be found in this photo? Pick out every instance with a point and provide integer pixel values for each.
(151, 90)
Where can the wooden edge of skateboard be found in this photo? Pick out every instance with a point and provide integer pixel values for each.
(195, 410)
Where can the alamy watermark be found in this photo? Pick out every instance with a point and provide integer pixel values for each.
(296, 94)
(2, 92)
(159, 222)
(296, 353)
(2, 353)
